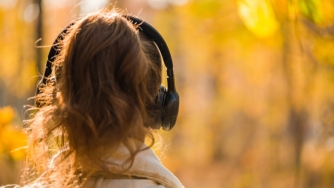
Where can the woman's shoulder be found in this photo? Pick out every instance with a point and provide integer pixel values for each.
(147, 171)
(132, 183)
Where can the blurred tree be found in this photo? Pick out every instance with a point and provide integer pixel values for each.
(39, 35)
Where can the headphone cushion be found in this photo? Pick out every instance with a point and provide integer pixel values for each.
(159, 107)
(161, 96)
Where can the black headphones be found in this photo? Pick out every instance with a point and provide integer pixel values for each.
(167, 99)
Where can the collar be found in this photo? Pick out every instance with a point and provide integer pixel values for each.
(146, 165)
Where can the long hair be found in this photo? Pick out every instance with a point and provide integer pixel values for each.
(107, 77)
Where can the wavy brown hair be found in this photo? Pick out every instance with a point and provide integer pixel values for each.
(108, 75)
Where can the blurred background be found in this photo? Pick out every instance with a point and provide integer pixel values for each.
(255, 78)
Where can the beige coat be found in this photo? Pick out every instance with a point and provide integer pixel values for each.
(147, 170)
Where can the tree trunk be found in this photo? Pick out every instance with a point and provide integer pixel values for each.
(39, 35)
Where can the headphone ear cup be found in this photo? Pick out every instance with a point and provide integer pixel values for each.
(170, 110)
(167, 106)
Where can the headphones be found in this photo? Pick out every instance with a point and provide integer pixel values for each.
(167, 99)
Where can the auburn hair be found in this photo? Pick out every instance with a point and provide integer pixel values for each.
(107, 76)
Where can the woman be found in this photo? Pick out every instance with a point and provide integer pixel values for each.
(97, 108)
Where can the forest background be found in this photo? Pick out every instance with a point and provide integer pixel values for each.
(255, 78)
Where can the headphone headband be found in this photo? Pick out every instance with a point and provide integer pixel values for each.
(153, 34)
(145, 28)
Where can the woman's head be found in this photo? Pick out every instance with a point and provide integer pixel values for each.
(107, 77)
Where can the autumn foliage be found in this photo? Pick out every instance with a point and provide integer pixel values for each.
(255, 79)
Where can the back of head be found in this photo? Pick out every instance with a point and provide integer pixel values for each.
(108, 76)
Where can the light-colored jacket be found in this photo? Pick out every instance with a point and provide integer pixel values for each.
(147, 171)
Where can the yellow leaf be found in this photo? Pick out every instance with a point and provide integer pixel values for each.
(12, 140)
(6, 115)
(258, 17)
